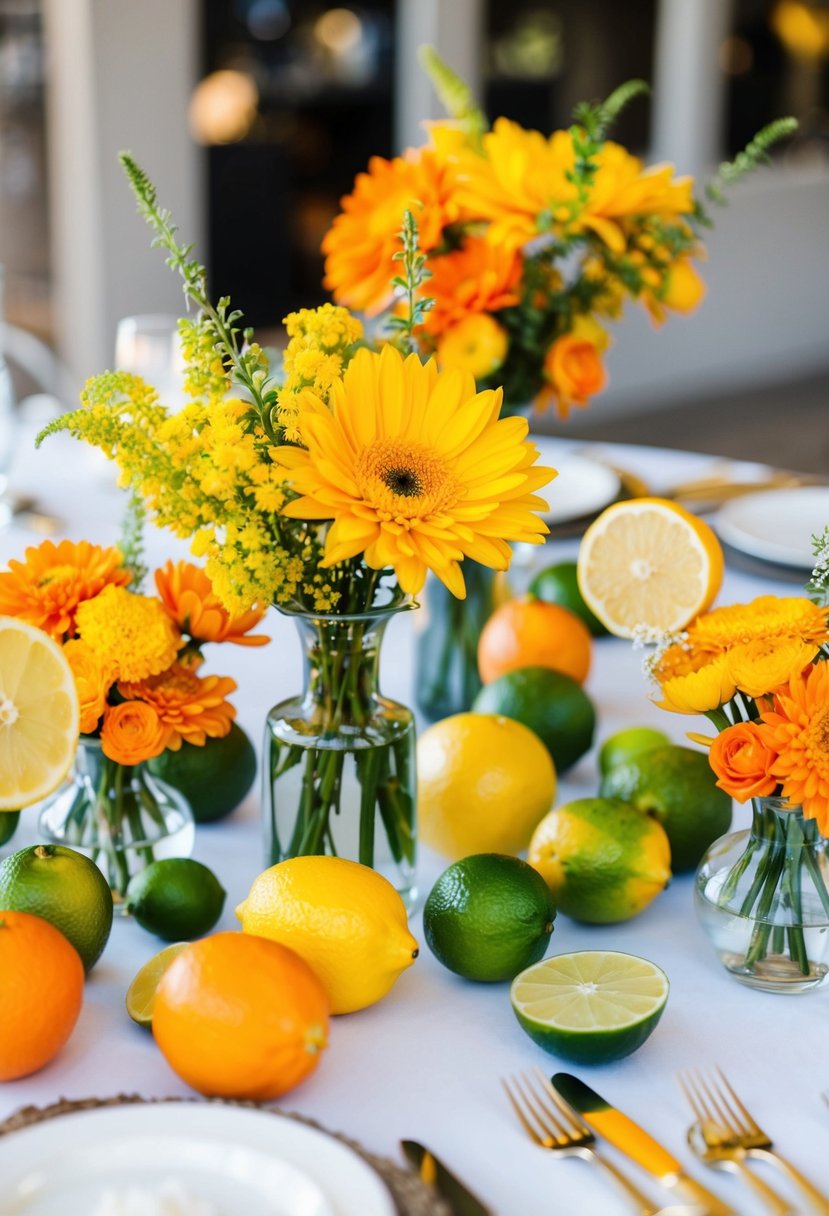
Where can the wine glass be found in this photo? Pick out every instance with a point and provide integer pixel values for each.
(149, 346)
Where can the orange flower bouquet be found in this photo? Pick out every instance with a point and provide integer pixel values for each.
(758, 671)
(136, 660)
(532, 243)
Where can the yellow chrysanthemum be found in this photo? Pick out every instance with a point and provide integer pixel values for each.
(623, 187)
(416, 471)
(797, 730)
(761, 666)
(697, 692)
(769, 616)
(132, 634)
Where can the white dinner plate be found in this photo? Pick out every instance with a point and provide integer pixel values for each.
(776, 525)
(236, 1161)
(583, 486)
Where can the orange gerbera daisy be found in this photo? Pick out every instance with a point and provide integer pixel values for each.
(361, 243)
(46, 588)
(188, 596)
(797, 729)
(189, 706)
(478, 278)
(416, 470)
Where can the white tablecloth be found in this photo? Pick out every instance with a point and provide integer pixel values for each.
(425, 1062)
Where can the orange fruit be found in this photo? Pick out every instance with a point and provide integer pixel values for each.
(237, 1016)
(40, 993)
(531, 633)
(648, 565)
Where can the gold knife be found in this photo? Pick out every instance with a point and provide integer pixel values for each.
(447, 1185)
(637, 1144)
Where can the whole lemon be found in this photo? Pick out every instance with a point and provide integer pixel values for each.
(344, 919)
(484, 781)
(603, 860)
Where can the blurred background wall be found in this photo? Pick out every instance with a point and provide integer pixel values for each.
(252, 117)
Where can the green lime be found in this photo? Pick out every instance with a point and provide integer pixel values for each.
(602, 859)
(8, 825)
(177, 899)
(141, 992)
(488, 916)
(63, 887)
(677, 786)
(627, 744)
(591, 1007)
(558, 585)
(215, 778)
(553, 705)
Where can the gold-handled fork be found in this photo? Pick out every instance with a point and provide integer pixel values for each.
(742, 1131)
(552, 1124)
(709, 1141)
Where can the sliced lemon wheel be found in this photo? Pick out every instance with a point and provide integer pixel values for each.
(592, 1006)
(648, 565)
(39, 714)
(141, 992)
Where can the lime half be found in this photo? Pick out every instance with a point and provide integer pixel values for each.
(592, 1006)
(142, 990)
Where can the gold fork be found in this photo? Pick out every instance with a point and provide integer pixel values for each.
(714, 1145)
(741, 1130)
(551, 1123)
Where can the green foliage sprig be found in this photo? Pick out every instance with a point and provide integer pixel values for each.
(755, 154)
(454, 94)
(132, 540)
(592, 120)
(818, 585)
(410, 283)
(242, 360)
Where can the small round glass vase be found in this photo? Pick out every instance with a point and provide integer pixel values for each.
(121, 816)
(762, 895)
(338, 764)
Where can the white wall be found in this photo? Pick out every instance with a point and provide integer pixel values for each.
(119, 76)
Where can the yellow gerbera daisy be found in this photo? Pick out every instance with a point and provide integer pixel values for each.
(416, 470)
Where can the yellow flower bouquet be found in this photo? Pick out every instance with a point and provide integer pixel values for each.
(330, 492)
(135, 660)
(758, 671)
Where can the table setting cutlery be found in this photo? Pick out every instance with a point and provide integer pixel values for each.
(732, 1135)
(434, 1172)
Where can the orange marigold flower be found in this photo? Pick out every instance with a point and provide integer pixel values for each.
(188, 596)
(479, 278)
(796, 728)
(361, 243)
(742, 761)
(573, 372)
(769, 616)
(190, 707)
(93, 680)
(46, 588)
(131, 632)
(132, 732)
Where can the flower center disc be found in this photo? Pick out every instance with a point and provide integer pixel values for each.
(404, 480)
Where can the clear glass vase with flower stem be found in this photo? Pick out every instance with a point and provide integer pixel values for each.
(762, 896)
(339, 766)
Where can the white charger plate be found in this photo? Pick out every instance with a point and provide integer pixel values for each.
(583, 486)
(776, 525)
(245, 1162)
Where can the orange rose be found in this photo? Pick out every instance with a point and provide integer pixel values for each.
(574, 371)
(93, 680)
(132, 732)
(742, 762)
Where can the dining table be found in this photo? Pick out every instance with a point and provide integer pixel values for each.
(426, 1062)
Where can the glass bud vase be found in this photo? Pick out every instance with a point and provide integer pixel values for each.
(339, 765)
(762, 896)
(446, 654)
(120, 815)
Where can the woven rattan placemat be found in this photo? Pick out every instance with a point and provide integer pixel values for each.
(411, 1196)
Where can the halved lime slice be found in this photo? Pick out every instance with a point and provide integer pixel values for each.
(592, 1006)
(141, 992)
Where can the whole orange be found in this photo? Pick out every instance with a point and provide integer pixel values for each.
(532, 633)
(41, 990)
(237, 1016)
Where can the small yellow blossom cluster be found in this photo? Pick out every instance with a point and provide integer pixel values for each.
(315, 357)
(205, 376)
